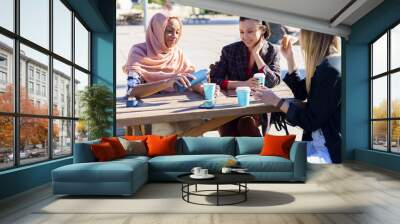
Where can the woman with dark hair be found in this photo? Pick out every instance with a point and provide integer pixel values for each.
(237, 65)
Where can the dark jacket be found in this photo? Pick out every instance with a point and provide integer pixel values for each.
(234, 60)
(322, 109)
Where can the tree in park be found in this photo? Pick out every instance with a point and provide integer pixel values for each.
(33, 131)
(380, 128)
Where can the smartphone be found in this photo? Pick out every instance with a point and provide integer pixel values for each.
(207, 105)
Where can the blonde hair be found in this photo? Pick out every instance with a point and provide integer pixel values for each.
(316, 46)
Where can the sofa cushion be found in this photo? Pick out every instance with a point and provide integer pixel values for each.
(185, 163)
(249, 145)
(103, 152)
(112, 171)
(116, 145)
(277, 145)
(134, 147)
(136, 137)
(257, 163)
(161, 145)
(206, 145)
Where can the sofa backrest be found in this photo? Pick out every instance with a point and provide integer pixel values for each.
(249, 145)
(206, 145)
(83, 152)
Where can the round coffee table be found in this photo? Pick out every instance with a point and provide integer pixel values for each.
(238, 179)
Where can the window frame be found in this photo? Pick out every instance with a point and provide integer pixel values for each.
(18, 40)
(388, 74)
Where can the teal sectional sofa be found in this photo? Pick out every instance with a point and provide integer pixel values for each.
(125, 176)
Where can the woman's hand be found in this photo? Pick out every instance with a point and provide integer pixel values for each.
(252, 83)
(182, 79)
(256, 49)
(287, 53)
(266, 96)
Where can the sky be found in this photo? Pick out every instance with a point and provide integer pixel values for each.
(380, 65)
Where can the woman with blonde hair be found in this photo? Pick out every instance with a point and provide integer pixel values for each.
(319, 116)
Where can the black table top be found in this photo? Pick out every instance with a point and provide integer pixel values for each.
(220, 178)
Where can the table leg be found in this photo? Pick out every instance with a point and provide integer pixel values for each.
(196, 187)
(207, 126)
(217, 194)
(245, 193)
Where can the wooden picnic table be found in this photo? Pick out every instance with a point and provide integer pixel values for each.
(177, 107)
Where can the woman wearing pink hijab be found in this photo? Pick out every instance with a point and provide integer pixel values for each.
(158, 63)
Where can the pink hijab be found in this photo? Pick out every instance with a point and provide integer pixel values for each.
(153, 59)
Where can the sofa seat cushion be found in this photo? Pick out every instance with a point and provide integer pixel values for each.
(112, 171)
(185, 163)
(133, 157)
(257, 163)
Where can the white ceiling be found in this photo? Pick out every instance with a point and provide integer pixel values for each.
(318, 15)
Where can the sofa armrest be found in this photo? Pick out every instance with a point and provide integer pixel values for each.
(83, 152)
(298, 155)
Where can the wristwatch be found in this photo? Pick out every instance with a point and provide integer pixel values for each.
(280, 103)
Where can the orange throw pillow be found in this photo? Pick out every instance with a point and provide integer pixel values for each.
(116, 145)
(103, 152)
(136, 137)
(277, 145)
(161, 145)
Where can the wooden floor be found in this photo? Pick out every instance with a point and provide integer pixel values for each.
(377, 188)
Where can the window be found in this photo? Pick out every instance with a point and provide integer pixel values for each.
(6, 73)
(44, 91)
(7, 14)
(30, 73)
(62, 75)
(6, 142)
(43, 77)
(50, 135)
(385, 96)
(62, 137)
(35, 22)
(38, 89)
(30, 88)
(3, 71)
(81, 45)
(3, 78)
(37, 74)
(81, 81)
(62, 29)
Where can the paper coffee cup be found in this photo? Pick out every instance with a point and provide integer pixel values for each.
(243, 96)
(261, 78)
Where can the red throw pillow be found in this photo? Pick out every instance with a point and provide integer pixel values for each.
(116, 145)
(103, 152)
(277, 145)
(161, 145)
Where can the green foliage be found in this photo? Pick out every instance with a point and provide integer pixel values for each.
(380, 127)
(97, 103)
